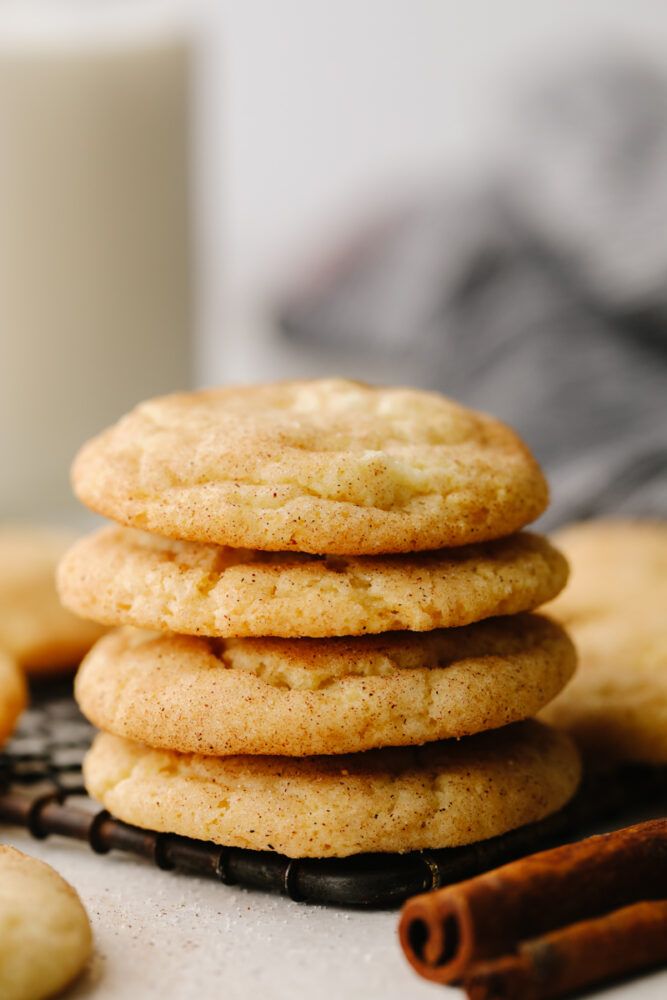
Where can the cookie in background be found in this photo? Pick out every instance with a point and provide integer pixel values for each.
(35, 629)
(615, 610)
(13, 694)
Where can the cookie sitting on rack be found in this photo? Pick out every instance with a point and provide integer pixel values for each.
(396, 799)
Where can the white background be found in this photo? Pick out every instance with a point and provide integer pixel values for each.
(328, 106)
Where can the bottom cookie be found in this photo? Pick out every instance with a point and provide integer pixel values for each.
(391, 800)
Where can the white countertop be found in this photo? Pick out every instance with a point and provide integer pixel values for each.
(180, 937)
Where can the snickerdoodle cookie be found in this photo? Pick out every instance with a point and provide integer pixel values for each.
(45, 937)
(615, 609)
(120, 576)
(13, 694)
(325, 466)
(322, 696)
(448, 793)
(34, 626)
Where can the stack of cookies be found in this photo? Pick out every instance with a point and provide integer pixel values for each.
(337, 590)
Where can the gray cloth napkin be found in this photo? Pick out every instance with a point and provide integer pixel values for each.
(541, 298)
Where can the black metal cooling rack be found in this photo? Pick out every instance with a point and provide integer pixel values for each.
(41, 789)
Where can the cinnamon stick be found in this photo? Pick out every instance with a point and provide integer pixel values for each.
(564, 961)
(442, 933)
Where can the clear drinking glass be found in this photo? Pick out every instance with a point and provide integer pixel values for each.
(96, 230)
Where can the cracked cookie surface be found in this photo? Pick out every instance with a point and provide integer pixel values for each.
(322, 696)
(326, 466)
(442, 795)
(120, 576)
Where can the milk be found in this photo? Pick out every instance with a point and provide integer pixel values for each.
(95, 262)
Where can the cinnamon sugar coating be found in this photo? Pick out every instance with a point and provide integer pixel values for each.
(322, 696)
(442, 795)
(326, 466)
(124, 577)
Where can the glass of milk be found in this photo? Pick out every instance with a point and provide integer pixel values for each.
(96, 303)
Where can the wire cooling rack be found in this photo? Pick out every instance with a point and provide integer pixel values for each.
(41, 789)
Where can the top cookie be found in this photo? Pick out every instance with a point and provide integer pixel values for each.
(325, 466)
